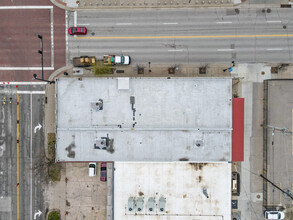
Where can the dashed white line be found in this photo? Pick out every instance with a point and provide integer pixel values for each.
(123, 23)
(274, 48)
(175, 50)
(224, 22)
(274, 21)
(171, 23)
(225, 49)
(127, 51)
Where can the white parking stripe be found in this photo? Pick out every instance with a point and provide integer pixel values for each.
(175, 50)
(170, 23)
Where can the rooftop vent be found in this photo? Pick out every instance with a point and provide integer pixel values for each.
(131, 204)
(151, 204)
(162, 204)
(100, 144)
(132, 100)
(139, 204)
(198, 144)
(97, 106)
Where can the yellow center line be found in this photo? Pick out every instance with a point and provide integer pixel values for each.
(17, 152)
(189, 37)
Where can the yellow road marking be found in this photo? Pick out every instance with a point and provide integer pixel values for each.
(188, 37)
(17, 152)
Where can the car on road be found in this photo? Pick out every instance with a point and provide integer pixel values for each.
(77, 30)
(92, 169)
(274, 215)
(103, 172)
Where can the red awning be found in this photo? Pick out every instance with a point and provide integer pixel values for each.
(238, 129)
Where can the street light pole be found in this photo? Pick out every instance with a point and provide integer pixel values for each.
(41, 52)
(35, 77)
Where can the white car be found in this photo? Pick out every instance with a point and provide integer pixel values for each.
(124, 60)
(274, 215)
(92, 169)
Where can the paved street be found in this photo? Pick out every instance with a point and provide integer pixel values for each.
(182, 36)
(22, 172)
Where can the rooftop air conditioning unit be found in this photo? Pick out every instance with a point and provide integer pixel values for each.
(131, 204)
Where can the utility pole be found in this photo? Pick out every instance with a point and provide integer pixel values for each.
(286, 193)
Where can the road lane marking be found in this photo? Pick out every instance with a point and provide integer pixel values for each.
(292, 135)
(171, 23)
(31, 92)
(75, 18)
(274, 21)
(225, 49)
(224, 22)
(123, 23)
(274, 48)
(24, 83)
(26, 7)
(175, 50)
(127, 51)
(83, 25)
(26, 68)
(17, 157)
(189, 37)
(52, 37)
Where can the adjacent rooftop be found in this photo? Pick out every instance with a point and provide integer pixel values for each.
(154, 191)
(144, 119)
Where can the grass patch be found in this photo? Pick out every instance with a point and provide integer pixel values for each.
(54, 215)
(51, 143)
(54, 169)
(101, 69)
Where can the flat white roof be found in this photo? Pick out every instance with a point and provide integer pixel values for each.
(144, 119)
(181, 184)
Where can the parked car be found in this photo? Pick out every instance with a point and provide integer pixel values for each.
(235, 184)
(92, 169)
(103, 171)
(274, 215)
(77, 30)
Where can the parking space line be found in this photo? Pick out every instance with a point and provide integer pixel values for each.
(292, 130)
(99, 169)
